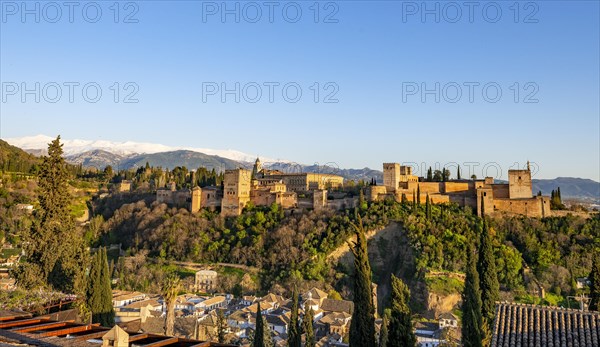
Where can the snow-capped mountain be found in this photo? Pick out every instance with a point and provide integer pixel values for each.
(123, 149)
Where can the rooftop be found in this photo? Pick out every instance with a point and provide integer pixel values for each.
(521, 325)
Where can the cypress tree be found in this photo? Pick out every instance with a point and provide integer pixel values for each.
(443, 174)
(429, 175)
(383, 333)
(472, 323)
(362, 326)
(403, 200)
(294, 336)
(259, 333)
(414, 202)
(221, 326)
(55, 249)
(400, 331)
(427, 207)
(486, 266)
(307, 326)
(595, 283)
(99, 292)
(418, 195)
(458, 173)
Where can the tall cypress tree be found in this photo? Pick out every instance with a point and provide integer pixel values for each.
(99, 292)
(400, 331)
(595, 283)
(486, 266)
(458, 173)
(259, 332)
(414, 202)
(54, 247)
(429, 175)
(383, 332)
(362, 326)
(427, 207)
(294, 336)
(472, 323)
(418, 195)
(307, 326)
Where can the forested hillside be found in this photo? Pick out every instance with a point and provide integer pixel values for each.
(285, 246)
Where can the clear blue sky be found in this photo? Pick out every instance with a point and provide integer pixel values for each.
(374, 53)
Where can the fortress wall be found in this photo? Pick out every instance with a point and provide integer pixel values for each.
(531, 207)
(500, 191)
(453, 187)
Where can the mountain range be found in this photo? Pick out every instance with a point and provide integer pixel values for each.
(127, 155)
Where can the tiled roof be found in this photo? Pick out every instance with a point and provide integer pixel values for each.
(337, 305)
(544, 326)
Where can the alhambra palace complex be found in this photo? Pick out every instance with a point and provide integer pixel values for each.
(263, 187)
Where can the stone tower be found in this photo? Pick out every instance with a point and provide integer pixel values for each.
(236, 191)
(196, 199)
(257, 168)
(391, 176)
(519, 184)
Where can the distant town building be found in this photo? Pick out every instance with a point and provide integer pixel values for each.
(205, 280)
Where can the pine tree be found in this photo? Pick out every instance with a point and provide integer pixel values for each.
(170, 290)
(294, 335)
(259, 332)
(486, 267)
(472, 322)
(99, 292)
(54, 247)
(362, 326)
(458, 173)
(400, 331)
(595, 283)
(307, 326)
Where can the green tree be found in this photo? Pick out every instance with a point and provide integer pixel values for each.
(294, 335)
(54, 247)
(99, 292)
(488, 275)
(400, 331)
(170, 289)
(429, 175)
(307, 326)
(259, 331)
(595, 283)
(221, 326)
(362, 326)
(458, 173)
(427, 207)
(418, 195)
(472, 323)
(383, 332)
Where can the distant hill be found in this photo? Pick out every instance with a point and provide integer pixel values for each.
(570, 187)
(96, 158)
(191, 160)
(14, 159)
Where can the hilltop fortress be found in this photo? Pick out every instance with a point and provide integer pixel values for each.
(263, 187)
(514, 197)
